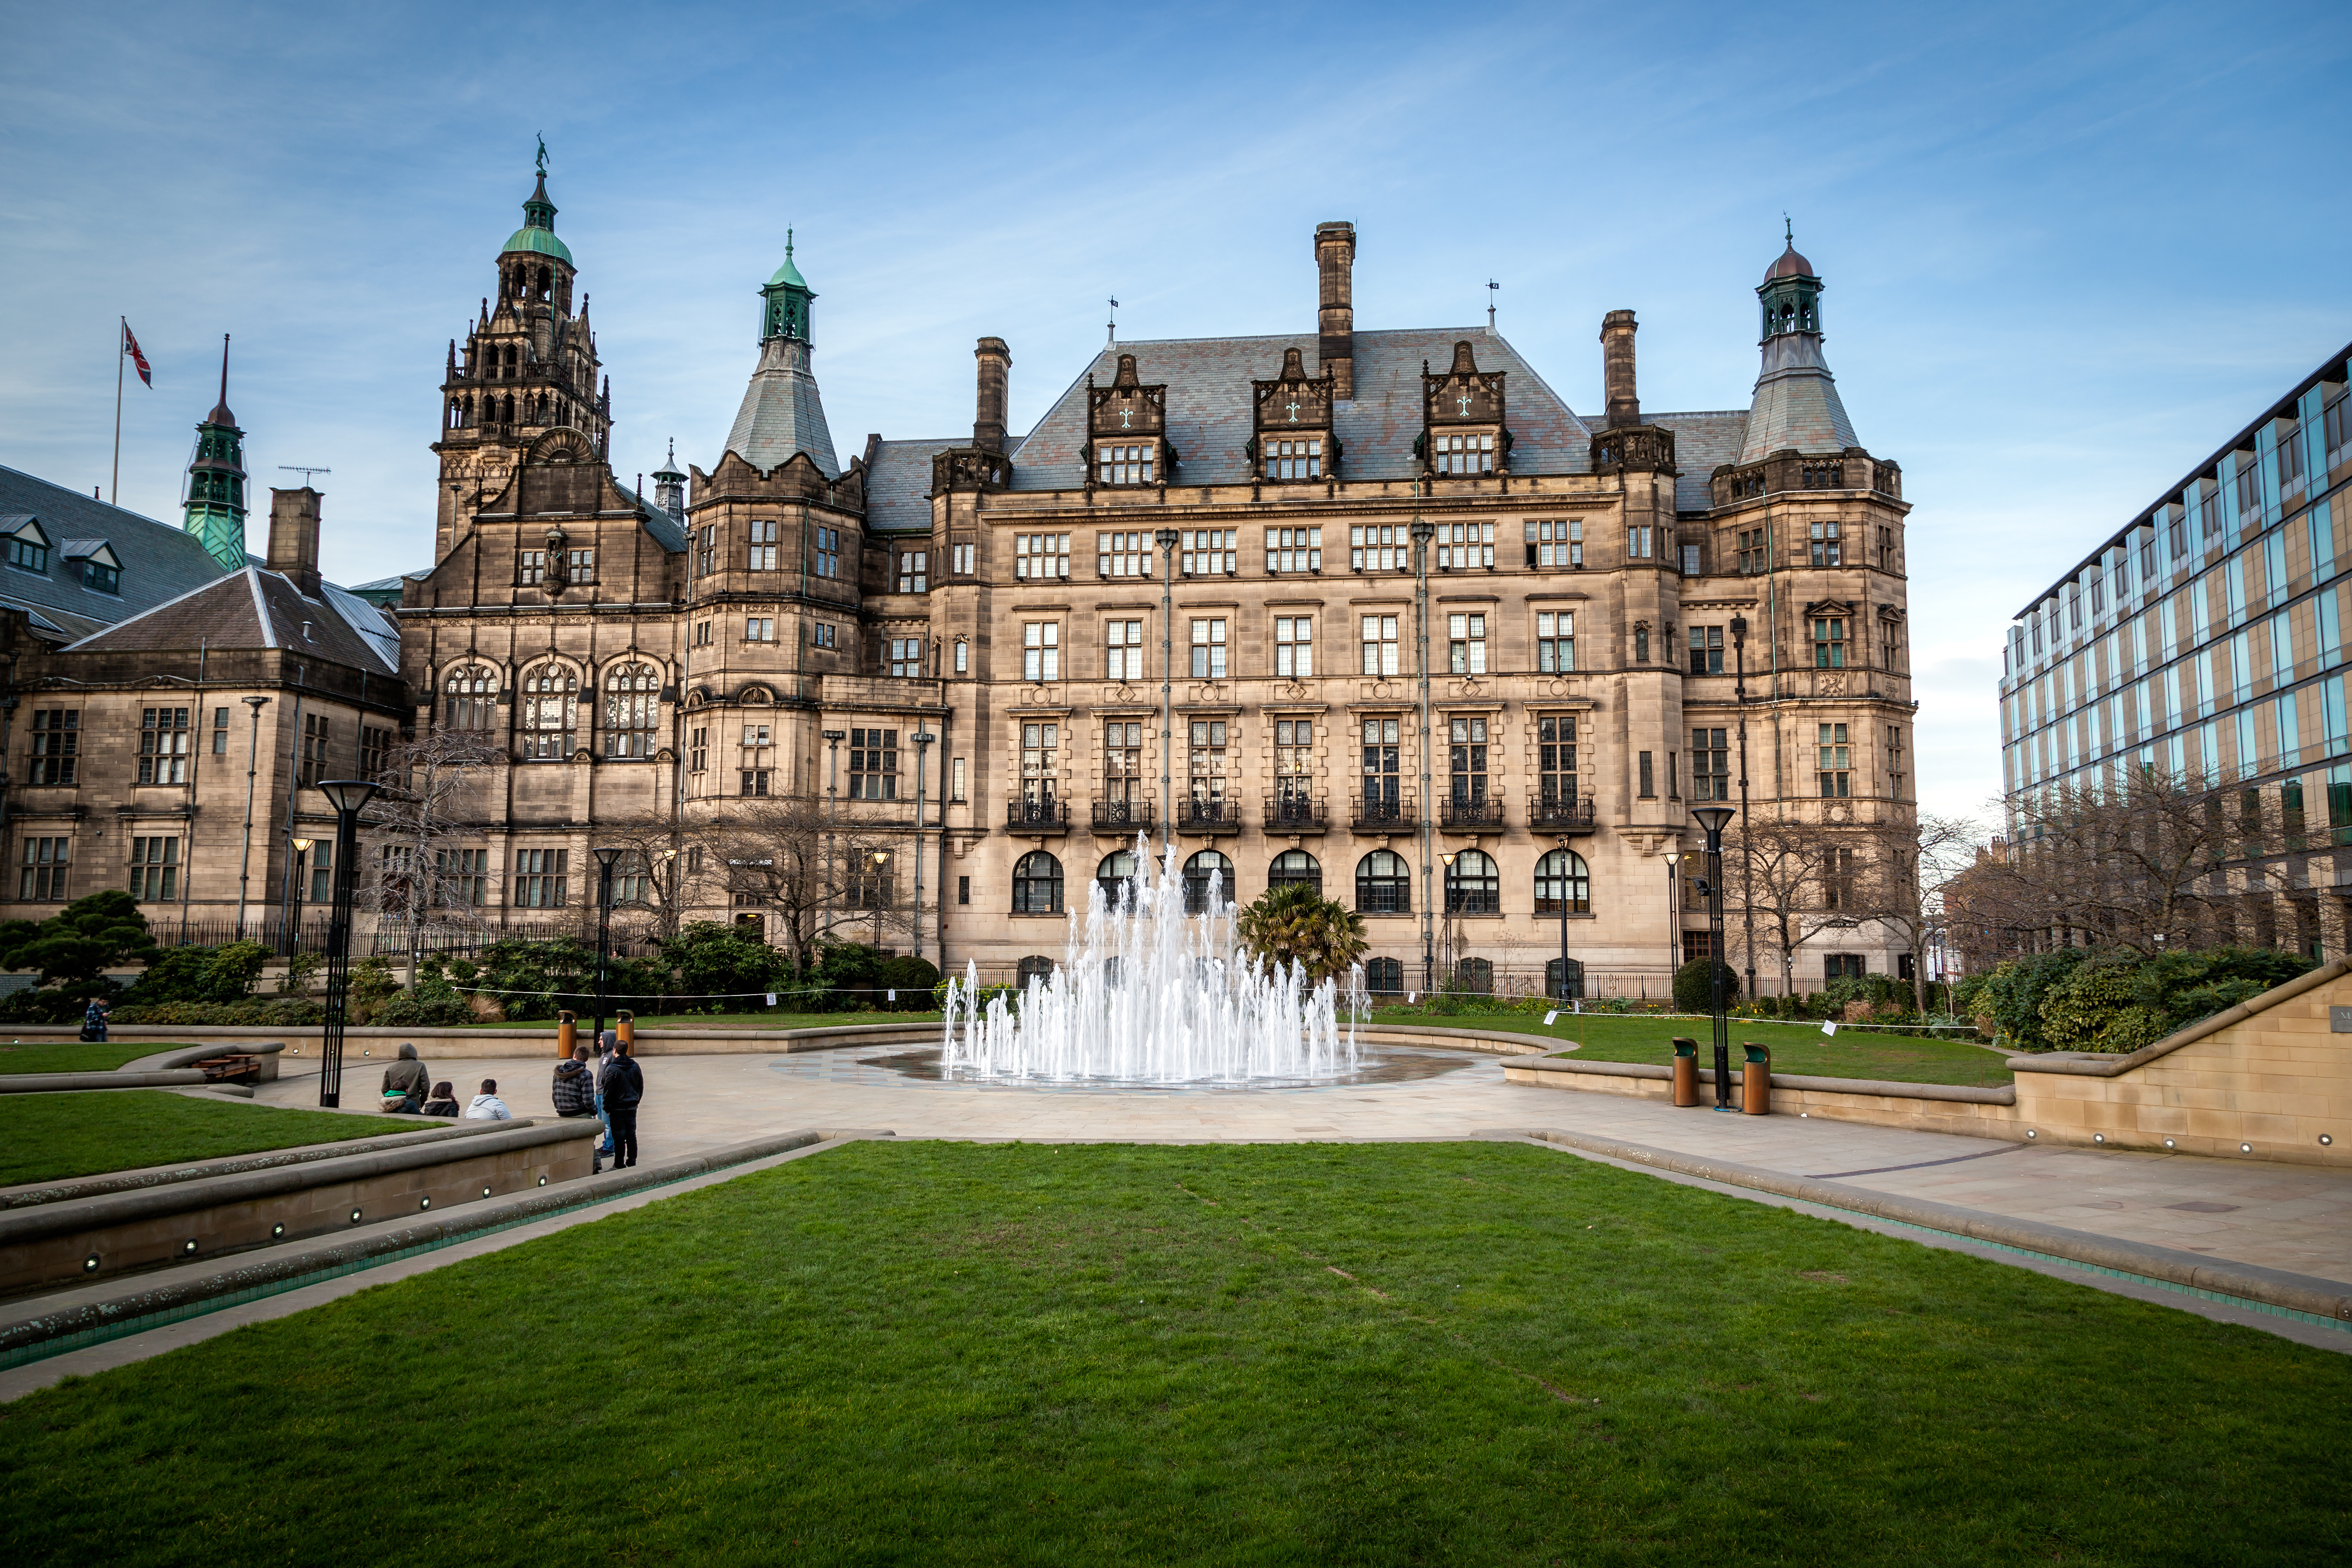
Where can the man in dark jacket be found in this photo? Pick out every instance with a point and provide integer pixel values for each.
(575, 1094)
(408, 1080)
(623, 1086)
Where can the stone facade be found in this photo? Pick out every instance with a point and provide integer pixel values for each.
(1190, 603)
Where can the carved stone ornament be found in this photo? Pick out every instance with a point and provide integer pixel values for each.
(1832, 683)
(1642, 448)
(970, 469)
(1469, 686)
(1383, 690)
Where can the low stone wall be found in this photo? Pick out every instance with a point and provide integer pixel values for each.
(372, 1046)
(2269, 1079)
(316, 1191)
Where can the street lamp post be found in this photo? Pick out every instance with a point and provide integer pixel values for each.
(349, 798)
(1167, 539)
(1561, 995)
(605, 855)
(302, 869)
(1674, 911)
(874, 897)
(1423, 530)
(252, 767)
(922, 738)
(1747, 858)
(1714, 818)
(833, 740)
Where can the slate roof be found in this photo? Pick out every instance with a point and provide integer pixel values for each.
(1703, 442)
(159, 560)
(1797, 403)
(1209, 406)
(781, 414)
(899, 486)
(666, 531)
(254, 608)
(387, 591)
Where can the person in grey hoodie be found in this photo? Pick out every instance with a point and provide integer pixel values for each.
(407, 1078)
(487, 1106)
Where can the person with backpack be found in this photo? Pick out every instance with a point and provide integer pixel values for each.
(623, 1086)
(93, 1021)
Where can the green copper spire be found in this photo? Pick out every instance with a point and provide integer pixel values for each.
(787, 296)
(216, 501)
(537, 234)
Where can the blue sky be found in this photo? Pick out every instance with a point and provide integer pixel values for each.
(2068, 249)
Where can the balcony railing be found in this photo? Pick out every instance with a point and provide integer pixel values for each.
(1117, 816)
(1037, 817)
(1487, 813)
(1208, 816)
(1379, 814)
(1294, 813)
(1550, 814)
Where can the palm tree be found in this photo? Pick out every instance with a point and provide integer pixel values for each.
(1297, 922)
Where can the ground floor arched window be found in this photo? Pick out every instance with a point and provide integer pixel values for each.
(1293, 869)
(1197, 873)
(1113, 873)
(1474, 977)
(1037, 966)
(1384, 976)
(1471, 886)
(1563, 885)
(1564, 979)
(1037, 884)
(1384, 884)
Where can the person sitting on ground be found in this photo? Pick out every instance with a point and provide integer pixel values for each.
(574, 1092)
(487, 1106)
(444, 1101)
(404, 1083)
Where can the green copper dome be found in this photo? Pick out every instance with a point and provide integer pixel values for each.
(788, 273)
(539, 242)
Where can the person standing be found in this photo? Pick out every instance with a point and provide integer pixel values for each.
(624, 1087)
(604, 1043)
(93, 1021)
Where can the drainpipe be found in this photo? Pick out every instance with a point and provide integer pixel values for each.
(1423, 531)
(1167, 539)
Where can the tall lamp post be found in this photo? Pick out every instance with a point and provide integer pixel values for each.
(1674, 914)
(349, 798)
(1714, 818)
(1561, 994)
(1747, 858)
(922, 738)
(874, 895)
(833, 740)
(302, 847)
(605, 855)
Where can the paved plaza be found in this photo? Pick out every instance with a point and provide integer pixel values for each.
(2291, 1217)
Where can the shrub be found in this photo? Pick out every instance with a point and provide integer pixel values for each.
(710, 959)
(282, 1012)
(1694, 984)
(76, 946)
(431, 1000)
(538, 979)
(2013, 994)
(2096, 1008)
(46, 1005)
(1296, 923)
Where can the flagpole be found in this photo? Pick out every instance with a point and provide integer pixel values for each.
(122, 336)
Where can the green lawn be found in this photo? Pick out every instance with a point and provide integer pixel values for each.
(1401, 1353)
(47, 1137)
(649, 1022)
(72, 1055)
(1796, 1047)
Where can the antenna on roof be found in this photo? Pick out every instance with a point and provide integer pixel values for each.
(306, 473)
(1491, 286)
(1114, 324)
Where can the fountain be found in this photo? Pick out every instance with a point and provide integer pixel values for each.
(1149, 996)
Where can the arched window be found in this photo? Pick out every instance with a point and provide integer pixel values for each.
(1384, 976)
(632, 707)
(1563, 886)
(1034, 967)
(1295, 867)
(1570, 989)
(551, 708)
(469, 697)
(1471, 886)
(1384, 884)
(1474, 977)
(1113, 873)
(1037, 884)
(1198, 871)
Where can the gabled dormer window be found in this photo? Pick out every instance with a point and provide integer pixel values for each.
(1463, 434)
(1293, 424)
(1125, 462)
(93, 563)
(1127, 426)
(28, 547)
(100, 578)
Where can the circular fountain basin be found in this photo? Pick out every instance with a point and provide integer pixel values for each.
(1374, 1065)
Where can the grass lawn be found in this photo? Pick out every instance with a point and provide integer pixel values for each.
(72, 1055)
(1796, 1047)
(1421, 1352)
(649, 1022)
(46, 1137)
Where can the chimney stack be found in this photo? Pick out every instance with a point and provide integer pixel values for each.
(988, 421)
(294, 537)
(1617, 330)
(1335, 260)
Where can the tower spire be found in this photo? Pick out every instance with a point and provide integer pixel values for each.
(1796, 404)
(214, 507)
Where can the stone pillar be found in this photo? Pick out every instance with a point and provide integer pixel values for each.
(1617, 329)
(988, 419)
(294, 537)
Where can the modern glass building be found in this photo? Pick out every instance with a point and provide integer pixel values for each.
(2205, 637)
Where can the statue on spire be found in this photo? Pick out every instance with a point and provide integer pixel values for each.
(542, 155)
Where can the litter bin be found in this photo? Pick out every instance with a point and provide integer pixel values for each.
(624, 1024)
(1685, 1071)
(1756, 1079)
(567, 1034)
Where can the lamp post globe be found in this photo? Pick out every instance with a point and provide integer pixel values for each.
(349, 798)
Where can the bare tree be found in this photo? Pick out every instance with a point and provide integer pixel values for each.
(665, 870)
(1782, 862)
(1907, 865)
(809, 874)
(2143, 861)
(418, 872)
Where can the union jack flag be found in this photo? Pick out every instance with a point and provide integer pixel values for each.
(131, 347)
